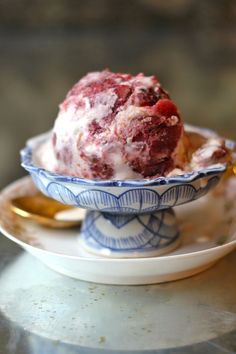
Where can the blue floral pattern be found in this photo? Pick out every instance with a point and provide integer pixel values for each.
(131, 201)
(151, 232)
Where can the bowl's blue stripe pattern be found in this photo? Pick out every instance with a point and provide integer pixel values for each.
(138, 200)
(61, 193)
(154, 233)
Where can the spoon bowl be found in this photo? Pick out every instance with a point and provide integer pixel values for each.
(45, 211)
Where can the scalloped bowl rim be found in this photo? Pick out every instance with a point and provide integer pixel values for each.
(27, 163)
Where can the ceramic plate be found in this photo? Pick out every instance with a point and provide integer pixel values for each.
(208, 232)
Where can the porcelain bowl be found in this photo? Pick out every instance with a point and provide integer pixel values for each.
(125, 218)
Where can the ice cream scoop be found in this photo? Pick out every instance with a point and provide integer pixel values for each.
(116, 126)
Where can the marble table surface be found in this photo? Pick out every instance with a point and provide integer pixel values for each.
(44, 312)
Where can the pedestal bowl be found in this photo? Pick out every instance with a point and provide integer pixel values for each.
(125, 218)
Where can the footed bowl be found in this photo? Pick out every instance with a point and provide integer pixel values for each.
(125, 218)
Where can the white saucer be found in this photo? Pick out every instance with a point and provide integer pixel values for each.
(207, 234)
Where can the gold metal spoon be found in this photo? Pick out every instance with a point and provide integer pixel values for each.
(46, 211)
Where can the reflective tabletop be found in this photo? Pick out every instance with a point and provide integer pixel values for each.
(44, 312)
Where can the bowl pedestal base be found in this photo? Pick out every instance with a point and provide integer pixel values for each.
(129, 235)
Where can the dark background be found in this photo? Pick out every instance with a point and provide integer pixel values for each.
(47, 45)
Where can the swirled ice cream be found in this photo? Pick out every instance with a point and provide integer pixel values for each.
(118, 126)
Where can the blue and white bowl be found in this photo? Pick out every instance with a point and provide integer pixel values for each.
(127, 217)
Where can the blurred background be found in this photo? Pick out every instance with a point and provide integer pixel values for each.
(47, 45)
